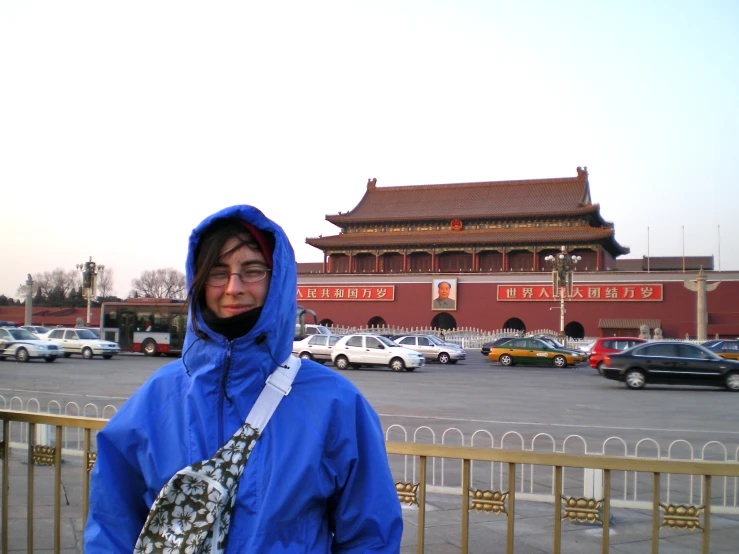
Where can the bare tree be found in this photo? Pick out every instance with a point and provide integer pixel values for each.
(105, 283)
(160, 283)
(53, 286)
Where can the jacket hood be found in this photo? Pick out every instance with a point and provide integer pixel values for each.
(275, 327)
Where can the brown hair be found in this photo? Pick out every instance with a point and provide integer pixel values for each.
(208, 252)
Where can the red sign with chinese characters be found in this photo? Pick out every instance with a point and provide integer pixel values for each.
(585, 292)
(330, 292)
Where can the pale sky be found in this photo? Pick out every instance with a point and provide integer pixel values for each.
(124, 124)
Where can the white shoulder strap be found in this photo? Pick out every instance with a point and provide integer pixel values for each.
(278, 386)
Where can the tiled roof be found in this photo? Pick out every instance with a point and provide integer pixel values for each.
(514, 236)
(628, 323)
(305, 268)
(538, 197)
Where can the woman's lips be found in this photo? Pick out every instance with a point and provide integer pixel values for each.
(237, 308)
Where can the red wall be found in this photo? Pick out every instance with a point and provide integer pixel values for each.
(478, 307)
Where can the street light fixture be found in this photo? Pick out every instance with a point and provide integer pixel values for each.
(562, 267)
(89, 271)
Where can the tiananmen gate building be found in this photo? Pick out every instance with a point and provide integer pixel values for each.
(488, 243)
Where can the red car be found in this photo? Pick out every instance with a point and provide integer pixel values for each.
(608, 345)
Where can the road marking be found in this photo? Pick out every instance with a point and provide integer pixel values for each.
(565, 425)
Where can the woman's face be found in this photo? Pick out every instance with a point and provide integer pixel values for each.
(235, 297)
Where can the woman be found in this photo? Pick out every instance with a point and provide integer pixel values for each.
(317, 479)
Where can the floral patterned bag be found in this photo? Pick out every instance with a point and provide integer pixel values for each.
(192, 512)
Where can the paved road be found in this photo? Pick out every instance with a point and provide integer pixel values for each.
(468, 396)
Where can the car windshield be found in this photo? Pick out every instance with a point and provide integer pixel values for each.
(86, 334)
(22, 334)
(435, 339)
(386, 341)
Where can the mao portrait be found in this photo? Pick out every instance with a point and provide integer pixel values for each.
(444, 294)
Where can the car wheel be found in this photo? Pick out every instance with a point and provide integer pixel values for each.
(396, 364)
(341, 362)
(67, 354)
(22, 355)
(444, 358)
(149, 348)
(50, 359)
(732, 381)
(107, 356)
(635, 379)
(305, 356)
(506, 360)
(559, 361)
(87, 353)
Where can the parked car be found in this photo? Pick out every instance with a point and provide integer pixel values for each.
(728, 349)
(24, 345)
(485, 348)
(82, 341)
(610, 345)
(671, 363)
(374, 350)
(432, 347)
(316, 347)
(534, 351)
(38, 330)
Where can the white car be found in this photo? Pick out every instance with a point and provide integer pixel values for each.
(316, 347)
(374, 350)
(38, 330)
(24, 345)
(84, 342)
(433, 348)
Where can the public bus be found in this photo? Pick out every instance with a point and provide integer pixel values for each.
(153, 326)
(157, 326)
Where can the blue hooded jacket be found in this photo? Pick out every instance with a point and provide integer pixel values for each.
(317, 480)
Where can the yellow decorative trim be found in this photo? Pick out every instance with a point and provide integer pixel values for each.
(487, 501)
(584, 510)
(681, 516)
(407, 493)
(91, 458)
(43, 455)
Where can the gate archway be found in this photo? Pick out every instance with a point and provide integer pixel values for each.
(376, 321)
(515, 324)
(444, 320)
(575, 330)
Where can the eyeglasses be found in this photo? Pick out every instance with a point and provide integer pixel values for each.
(219, 278)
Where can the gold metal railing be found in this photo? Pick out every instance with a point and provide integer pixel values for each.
(43, 455)
(678, 516)
(498, 502)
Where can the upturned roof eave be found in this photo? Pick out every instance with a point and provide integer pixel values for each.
(344, 219)
(386, 240)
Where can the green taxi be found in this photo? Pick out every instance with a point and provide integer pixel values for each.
(534, 351)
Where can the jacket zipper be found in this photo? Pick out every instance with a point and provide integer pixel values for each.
(222, 394)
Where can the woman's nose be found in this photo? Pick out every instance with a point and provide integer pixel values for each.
(234, 285)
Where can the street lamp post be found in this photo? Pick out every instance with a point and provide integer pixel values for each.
(562, 268)
(89, 271)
